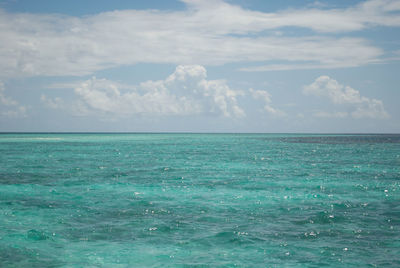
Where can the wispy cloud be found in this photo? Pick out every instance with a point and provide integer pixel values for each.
(54, 103)
(328, 64)
(233, 19)
(322, 114)
(208, 32)
(10, 107)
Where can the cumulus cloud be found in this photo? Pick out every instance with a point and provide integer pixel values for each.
(207, 32)
(325, 86)
(264, 96)
(10, 107)
(185, 92)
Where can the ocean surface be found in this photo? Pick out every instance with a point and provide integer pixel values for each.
(183, 200)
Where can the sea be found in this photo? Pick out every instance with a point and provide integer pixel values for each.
(199, 200)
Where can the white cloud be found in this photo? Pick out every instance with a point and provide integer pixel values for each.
(4, 100)
(10, 107)
(306, 66)
(69, 85)
(322, 114)
(266, 98)
(54, 103)
(185, 92)
(207, 32)
(344, 95)
(230, 18)
(300, 115)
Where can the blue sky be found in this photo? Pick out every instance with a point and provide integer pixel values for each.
(200, 66)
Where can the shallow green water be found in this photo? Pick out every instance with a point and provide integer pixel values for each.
(155, 200)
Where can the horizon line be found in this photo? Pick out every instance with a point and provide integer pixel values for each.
(190, 132)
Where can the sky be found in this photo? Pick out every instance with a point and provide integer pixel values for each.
(200, 66)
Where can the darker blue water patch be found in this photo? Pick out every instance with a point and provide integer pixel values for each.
(345, 139)
(17, 256)
(36, 235)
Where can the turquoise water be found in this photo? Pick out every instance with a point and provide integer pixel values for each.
(156, 200)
